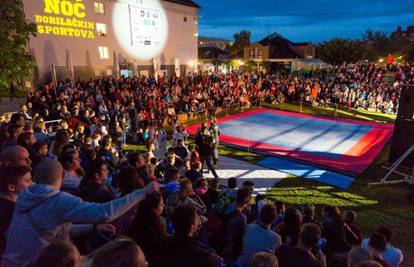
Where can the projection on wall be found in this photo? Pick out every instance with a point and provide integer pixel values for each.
(141, 27)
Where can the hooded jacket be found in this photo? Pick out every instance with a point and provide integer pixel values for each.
(44, 214)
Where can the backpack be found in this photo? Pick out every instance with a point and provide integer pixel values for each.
(223, 201)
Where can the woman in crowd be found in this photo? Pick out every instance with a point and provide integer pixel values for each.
(201, 188)
(128, 180)
(149, 229)
(289, 230)
(73, 174)
(60, 141)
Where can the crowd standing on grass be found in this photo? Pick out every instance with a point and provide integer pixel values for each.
(74, 195)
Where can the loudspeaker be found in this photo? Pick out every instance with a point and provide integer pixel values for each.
(406, 106)
(402, 140)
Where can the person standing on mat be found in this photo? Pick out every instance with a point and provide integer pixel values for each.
(205, 147)
(215, 134)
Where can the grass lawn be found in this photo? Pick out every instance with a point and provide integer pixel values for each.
(137, 148)
(240, 154)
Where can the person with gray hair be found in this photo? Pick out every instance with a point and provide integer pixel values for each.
(44, 215)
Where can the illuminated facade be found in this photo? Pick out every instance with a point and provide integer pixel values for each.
(87, 38)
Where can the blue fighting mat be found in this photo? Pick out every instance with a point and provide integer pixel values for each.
(307, 172)
(327, 138)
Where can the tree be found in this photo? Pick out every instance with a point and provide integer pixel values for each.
(234, 64)
(241, 40)
(410, 54)
(380, 45)
(16, 62)
(337, 51)
(250, 65)
(403, 46)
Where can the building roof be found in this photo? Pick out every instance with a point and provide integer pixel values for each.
(212, 53)
(185, 3)
(283, 47)
(301, 44)
(206, 38)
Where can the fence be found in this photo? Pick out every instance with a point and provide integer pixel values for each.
(52, 126)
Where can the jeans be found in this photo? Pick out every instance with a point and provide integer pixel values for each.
(123, 138)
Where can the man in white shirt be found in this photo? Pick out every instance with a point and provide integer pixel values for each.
(392, 256)
(178, 134)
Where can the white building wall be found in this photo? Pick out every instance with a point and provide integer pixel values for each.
(182, 42)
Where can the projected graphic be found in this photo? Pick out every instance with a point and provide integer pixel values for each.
(64, 18)
(141, 27)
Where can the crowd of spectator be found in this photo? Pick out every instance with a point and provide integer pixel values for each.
(125, 103)
(73, 196)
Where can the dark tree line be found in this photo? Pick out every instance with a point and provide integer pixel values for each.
(372, 46)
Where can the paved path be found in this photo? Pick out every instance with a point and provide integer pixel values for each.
(10, 106)
(262, 177)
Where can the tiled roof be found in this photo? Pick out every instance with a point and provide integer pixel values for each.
(300, 44)
(282, 47)
(211, 53)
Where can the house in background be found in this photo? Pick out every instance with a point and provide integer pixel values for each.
(407, 34)
(279, 52)
(212, 58)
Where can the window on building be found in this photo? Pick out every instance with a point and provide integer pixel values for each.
(185, 19)
(101, 29)
(99, 8)
(103, 52)
(260, 52)
(251, 53)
